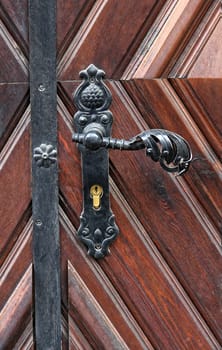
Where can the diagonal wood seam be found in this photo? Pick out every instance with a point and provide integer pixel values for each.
(201, 36)
(159, 260)
(74, 341)
(146, 61)
(26, 340)
(186, 118)
(15, 252)
(162, 264)
(13, 29)
(190, 124)
(196, 207)
(94, 308)
(22, 292)
(14, 48)
(197, 107)
(107, 285)
(82, 33)
(12, 141)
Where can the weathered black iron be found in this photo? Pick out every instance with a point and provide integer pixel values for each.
(46, 255)
(93, 125)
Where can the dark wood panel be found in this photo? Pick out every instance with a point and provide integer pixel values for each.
(70, 15)
(206, 94)
(16, 314)
(152, 194)
(13, 101)
(13, 63)
(16, 263)
(100, 287)
(99, 40)
(86, 309)
(161, 108)
(147, 290)
(15, 16)
(69, 165)
(180, 233)
(15, 184)
(164, 42)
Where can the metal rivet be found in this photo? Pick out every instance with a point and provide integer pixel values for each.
(105, 119)
(38, 222)
(82, 120)
(41, 88)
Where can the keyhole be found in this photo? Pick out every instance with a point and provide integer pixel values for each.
(96, 193)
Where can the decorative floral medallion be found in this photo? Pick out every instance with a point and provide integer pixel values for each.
(45, 155)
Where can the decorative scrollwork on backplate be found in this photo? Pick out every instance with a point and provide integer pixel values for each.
(93, 123)
(97, 239)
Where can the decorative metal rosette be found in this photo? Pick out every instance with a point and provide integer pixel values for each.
(45, 155)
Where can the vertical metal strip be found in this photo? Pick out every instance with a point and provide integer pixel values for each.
(46, 247)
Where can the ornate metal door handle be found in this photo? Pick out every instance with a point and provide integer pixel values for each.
(93, 123)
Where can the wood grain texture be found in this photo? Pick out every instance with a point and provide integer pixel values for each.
(16, 313)
(160, 288)
(100, 287)
(167, 111)
(142, 290)
(186, 235)
(13, 103)
(98, 40)
(195, 238)
(70, 16)
(15, 16)
(18, 260)
(14, 188)
(14, 65)
(165, 40)
(201, 56)
(87, 310)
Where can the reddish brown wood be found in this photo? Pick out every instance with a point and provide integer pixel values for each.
(15, 16)
(183, 235)
(163, 44)
(13, 102)
(201, 56)
(99, 41)
(100, 287)
(15, 186)
(16, 313)
(70, 16)
(166, 111)
(16, 263)
(161, 286)
(185, 240)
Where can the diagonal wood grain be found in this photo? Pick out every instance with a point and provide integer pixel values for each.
(99, 286)
(124, 127)
(98, 40)
(86, 309)
(15, 182)
(15, 16)
(16, 314)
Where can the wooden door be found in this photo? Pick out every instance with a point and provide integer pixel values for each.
(160, 287)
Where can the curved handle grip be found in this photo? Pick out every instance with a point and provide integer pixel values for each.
(170, 149)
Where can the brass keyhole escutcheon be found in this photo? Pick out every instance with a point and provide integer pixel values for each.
(96, 192)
